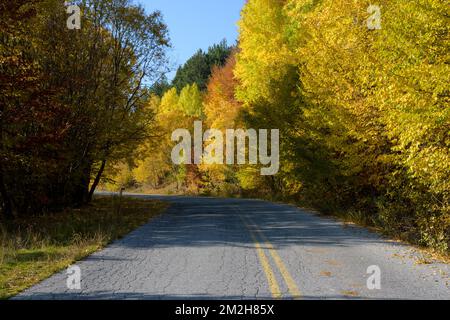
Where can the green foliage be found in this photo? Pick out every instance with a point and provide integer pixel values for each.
(198, 68)
(160, 87)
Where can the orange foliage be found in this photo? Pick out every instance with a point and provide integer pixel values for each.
(221, 105)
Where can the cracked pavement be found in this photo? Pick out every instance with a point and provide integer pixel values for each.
(202, 249)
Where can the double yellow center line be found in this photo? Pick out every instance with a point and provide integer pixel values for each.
(270, 275)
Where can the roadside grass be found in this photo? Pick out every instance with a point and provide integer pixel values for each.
(427, 255)
(35, 247)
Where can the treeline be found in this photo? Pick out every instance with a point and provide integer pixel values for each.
(363, 112)
(72, 101)
(197, 69)
(151, 167)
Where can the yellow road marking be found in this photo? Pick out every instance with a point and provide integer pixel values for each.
(272, 281)
(293, 289)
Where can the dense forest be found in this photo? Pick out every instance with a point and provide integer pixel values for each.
(363, 113)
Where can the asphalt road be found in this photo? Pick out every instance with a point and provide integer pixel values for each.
(205, 248)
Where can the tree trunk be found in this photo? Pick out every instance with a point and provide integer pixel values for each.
(97, 180)
(7, 206)
(77, 192)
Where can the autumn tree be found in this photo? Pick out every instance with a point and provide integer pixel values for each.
(363, 111)
(190, 101)
(32, 126)
(74, 100)
(221, 106)
(222, 111)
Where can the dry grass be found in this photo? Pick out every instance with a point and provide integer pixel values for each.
(33, 248)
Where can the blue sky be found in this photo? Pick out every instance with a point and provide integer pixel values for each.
(195, 24)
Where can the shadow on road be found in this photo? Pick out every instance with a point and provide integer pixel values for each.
(195, 222)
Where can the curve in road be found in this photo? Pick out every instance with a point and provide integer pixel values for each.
(207, 248)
